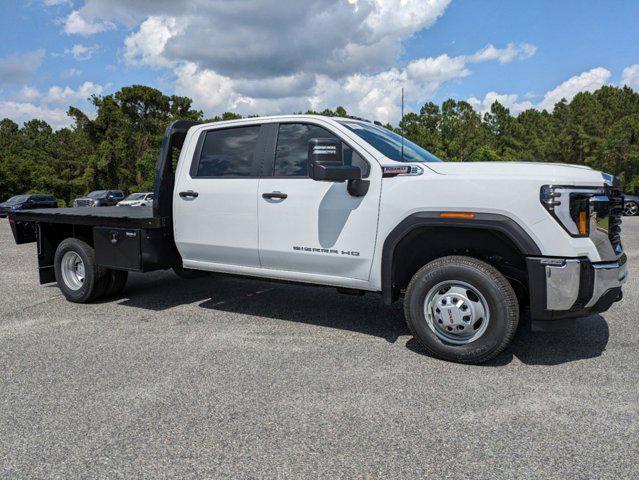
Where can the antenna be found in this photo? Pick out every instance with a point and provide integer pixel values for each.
(401, 124)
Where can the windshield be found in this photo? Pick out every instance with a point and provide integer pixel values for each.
(389, 143)
(97, 194)
(136, 196)
(18, 199)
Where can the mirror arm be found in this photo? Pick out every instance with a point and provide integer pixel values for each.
(358, 187)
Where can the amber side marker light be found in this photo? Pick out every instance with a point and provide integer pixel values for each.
(456, 215)
(583, 223)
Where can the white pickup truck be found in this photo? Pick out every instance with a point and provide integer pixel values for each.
(346, 203)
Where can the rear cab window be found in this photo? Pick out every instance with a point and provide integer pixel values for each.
(227, 152)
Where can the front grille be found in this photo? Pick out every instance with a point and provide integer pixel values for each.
(82, 203)
(616, 211)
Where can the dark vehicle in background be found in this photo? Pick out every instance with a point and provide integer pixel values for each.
(100, 198)
(27, 202)
(631, 205)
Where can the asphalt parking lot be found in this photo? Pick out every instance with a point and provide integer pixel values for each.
(222, 377)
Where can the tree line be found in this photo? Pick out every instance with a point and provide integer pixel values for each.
(118, 148)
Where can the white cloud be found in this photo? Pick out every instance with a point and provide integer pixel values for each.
(630, 76)
(28, 103)
(18, 68)
(70, 72)
(510, 101)
(504, 55)
(274, 38)
(208, 90)
(50, 3)
(81, 52)
(588, 81)
(379, 96)
(437, 69)
(21, 112)
(403, 17)
(271, 56)
(67, 95)
(146, 46)
(76, 24)
(585, 82)
(376, 96)
(267, 56)
(27, 94)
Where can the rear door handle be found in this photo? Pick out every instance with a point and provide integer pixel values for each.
(279, 195)
(189, 194)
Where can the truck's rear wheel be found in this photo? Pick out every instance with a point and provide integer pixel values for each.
(461, 309)
(78, 276)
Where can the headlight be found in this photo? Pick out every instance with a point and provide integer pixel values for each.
(578, 209)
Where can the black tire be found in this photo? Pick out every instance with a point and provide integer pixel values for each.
(628, 212)
(188, 274)
(498, 293)
(95, 278)
(117, 282)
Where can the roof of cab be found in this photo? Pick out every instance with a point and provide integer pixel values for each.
(274, 118)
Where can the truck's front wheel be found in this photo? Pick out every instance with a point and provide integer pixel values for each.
(79, 278)
(461, 309)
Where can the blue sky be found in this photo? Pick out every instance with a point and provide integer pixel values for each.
(278, 56)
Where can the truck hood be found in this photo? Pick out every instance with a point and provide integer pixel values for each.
(546, 172)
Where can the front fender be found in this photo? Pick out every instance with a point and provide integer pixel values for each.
(486, 221)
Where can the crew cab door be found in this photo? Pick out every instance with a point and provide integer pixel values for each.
(215, 199)
(315, 227)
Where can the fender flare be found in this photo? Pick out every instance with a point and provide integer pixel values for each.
(481, 221)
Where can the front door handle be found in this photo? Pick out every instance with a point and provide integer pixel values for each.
(279, 195)
(189, 194)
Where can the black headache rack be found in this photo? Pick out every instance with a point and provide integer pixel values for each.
(127, 238)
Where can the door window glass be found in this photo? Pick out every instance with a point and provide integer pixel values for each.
(291, 154)
(229, 152)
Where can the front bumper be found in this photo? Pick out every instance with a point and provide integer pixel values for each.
(573, 287)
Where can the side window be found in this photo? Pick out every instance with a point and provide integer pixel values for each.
(149, 196)
(228, 152)
(291, 153)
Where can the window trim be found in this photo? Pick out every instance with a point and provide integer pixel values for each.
(258, 159)
(272, 156)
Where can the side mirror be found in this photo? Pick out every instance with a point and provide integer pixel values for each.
(326, 163)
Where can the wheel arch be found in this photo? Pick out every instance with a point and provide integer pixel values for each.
(504, 231)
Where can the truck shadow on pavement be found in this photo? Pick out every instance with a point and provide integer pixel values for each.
(573, 340)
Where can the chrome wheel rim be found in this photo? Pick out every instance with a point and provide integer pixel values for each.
(72, 268)
(631, 208)
(456, 312)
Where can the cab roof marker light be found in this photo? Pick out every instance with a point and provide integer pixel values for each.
(465, 215)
